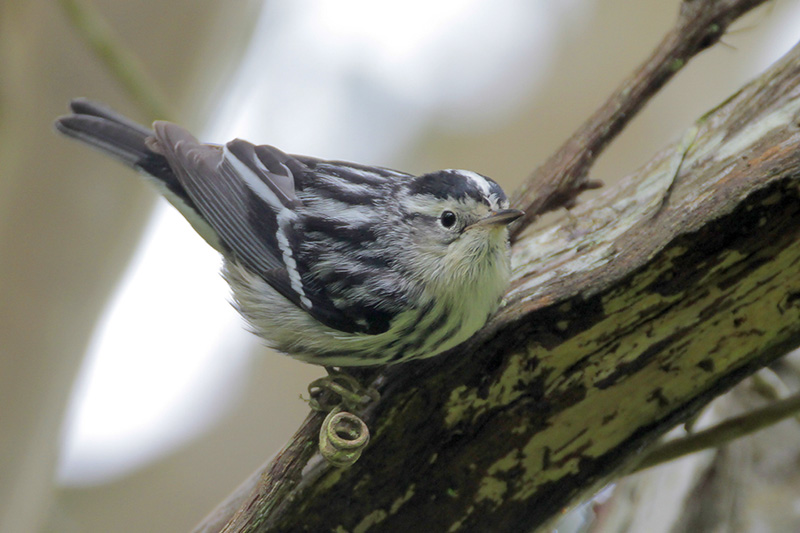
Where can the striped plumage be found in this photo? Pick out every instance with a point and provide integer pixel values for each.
(331, 262)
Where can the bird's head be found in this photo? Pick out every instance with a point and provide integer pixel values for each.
(457, 221)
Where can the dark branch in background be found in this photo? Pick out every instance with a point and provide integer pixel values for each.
(563, 176)
(428, 454)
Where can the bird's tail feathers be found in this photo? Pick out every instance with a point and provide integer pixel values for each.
(110, 132)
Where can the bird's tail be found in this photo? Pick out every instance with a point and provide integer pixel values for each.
(136, 146)
(118, 136)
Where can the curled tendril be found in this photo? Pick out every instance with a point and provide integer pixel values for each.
(342, 438)
(344, 389)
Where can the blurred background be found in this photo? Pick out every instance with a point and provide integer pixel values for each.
(131, 397)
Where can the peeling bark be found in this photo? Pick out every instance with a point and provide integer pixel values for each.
(623, 319)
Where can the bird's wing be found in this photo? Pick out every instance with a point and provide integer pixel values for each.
(247, 195)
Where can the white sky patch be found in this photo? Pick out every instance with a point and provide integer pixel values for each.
(152, 366)
(785, 33)
(354, 80)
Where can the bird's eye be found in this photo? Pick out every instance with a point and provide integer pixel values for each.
(447, 219)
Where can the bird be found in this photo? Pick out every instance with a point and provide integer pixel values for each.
(333, 263)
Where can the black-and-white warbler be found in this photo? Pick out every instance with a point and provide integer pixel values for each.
(334, 263)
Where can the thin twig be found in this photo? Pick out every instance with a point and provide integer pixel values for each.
(121, 63)
(723, 433)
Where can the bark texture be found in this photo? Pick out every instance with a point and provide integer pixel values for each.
(624, 317)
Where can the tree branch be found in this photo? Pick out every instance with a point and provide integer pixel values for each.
(722, 433)
(654, 298)
(556, 183)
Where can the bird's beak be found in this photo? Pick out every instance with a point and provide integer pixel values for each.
(503, 217)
